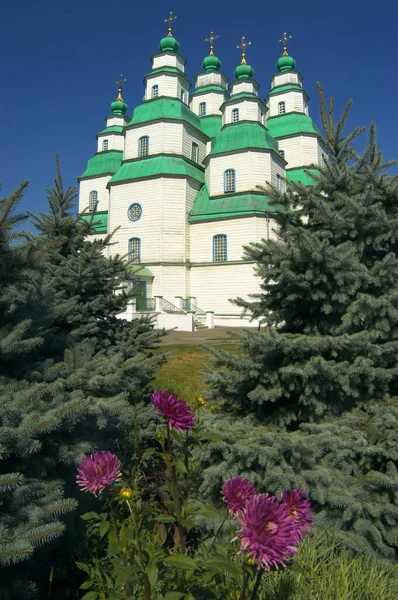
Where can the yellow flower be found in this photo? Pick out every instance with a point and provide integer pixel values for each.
(202, 401)
(126, 493)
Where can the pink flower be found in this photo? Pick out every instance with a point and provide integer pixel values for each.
(176, 411)
(299, 507)
(236, 492)
(268, 533)
(97, 471)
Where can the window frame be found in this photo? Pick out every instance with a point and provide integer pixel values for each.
(225, 238)
(280, 184)
(235, 113)
(202, 109)
(128, 211)
(138, 261)
(282, 107)
(227, 191)
(282, 154)
(140, 139)
(155, 91)
(90, 209)
(105, 143)
(195, 152)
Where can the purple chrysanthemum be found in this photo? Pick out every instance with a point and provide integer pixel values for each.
(97, 471)
(299, 507)
(176, 411)
(268, 533)
(236, 492)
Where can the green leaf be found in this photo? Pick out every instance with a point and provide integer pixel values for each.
(212, 437)
(189, 597)
(149, 451)
(91, 515)
(221, 564)
(180, 561)
(180, 467)
(87, 584)
(153, 573)
(90, 596)
(165, 518)
(103, 528)
(188, 523)
(125, 574)
(83, 567)
(173, 596)
(207, 511)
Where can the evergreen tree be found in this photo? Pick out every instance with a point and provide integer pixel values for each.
(315, 390)
(329, 293)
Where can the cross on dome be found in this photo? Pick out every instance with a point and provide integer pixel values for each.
(284, 40)
(170, 20)
(211, 39)
(242, 47)
(120, 88)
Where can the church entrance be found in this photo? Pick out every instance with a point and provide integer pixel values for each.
(140, 294)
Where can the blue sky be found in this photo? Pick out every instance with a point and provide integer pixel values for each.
(60, 62)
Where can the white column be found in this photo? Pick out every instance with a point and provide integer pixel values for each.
(134, 304)
(158, 303)
(178, 301)
(210, 319)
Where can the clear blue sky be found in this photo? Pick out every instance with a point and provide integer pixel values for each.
(60, 61)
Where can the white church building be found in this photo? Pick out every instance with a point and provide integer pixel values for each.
(178, 180)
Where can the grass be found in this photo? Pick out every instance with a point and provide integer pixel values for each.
(182, 373)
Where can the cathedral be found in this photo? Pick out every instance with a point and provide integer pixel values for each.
(178, 180)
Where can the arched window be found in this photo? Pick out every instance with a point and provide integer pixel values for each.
(220, 247)
(229, 181)
(182, 95)
(281, 108)
(134, 250)
(155, 91)
(235, 115)
(143, 146)
(92, 201)
(195, 152)
(202, 109)
(105, 144)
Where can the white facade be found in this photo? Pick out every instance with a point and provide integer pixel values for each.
(180, 190)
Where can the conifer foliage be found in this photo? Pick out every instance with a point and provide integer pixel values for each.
(316, 388)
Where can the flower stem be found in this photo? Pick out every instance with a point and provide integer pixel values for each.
(147, 585)
(176, 495)
(217, 533)
(257, 584)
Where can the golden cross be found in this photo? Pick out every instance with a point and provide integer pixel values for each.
(120, 84)
(211, 39)
(170, 20)
(284, 40)
(242, 47)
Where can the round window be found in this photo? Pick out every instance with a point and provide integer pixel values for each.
(134, 212)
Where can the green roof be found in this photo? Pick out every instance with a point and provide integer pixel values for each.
(237, 205)
(100, 221)
(112, 129)
(157, 166)
(211, 125)
(103, 163)
(138, 270)
(291, 124)
(300, 176)
(242, 135)
(165, 109)
(285, 88)
(209, 88)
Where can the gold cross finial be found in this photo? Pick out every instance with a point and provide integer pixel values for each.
(170, 20)
(120, 88)
(211, 39)
(284, 40)
(242, 47)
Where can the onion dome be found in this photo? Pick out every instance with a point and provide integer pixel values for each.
(244, 72)
(169, 43)
(119, 107)
(285, 63)
(211, 63)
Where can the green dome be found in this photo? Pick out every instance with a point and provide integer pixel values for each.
(169, 43)
(211, 63)
(243, 72)
(285, 63)
(119, 107)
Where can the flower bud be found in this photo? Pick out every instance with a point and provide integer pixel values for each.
(126, 493)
